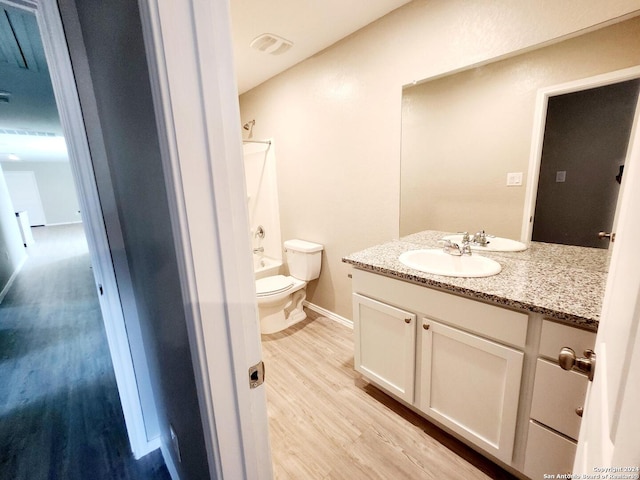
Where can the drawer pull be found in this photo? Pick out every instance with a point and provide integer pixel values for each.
(587, 364)
(579, 411)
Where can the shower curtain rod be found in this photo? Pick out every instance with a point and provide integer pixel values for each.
(268, 142)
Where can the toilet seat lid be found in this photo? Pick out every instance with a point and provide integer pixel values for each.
(272, 285)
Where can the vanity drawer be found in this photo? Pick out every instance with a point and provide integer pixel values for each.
(547, 452)
(556, 335)
(556, 395)
(496, 323)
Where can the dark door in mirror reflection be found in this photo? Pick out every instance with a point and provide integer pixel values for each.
(583, 153)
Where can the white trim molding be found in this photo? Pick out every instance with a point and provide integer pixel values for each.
(190, 56)
(537, 136)
(328, 314)
(7, 287)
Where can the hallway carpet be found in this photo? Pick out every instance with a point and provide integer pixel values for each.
(60, 413)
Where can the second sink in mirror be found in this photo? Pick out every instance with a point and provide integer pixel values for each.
(494, 244)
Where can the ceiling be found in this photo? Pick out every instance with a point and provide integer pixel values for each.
(26, 97)
(32, 146)
(312, 26)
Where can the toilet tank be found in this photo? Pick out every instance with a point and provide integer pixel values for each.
(303, 259)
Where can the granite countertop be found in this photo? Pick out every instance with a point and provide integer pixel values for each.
(562, 282)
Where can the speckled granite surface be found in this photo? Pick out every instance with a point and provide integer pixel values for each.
(562, 282)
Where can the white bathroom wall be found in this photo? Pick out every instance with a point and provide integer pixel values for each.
(337, 115)
(262, 196)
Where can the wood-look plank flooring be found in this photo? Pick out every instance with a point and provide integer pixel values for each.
(327, 422)
(60, 413)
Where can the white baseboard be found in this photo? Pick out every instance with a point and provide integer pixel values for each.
(150, 446)
(330, 315)
(61, 223)
(6, 288)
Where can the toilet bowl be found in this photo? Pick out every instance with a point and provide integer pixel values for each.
(280, 297)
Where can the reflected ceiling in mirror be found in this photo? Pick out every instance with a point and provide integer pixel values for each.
(463, 133)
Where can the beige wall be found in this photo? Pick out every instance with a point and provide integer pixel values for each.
(462, 134)
(336, 116)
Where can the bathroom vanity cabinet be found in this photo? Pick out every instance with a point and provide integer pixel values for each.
(558, 400)
(456, 360)
(469, 366)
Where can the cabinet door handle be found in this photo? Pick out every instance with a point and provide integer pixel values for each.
(407, 320)
(579, 411)
(426, 326)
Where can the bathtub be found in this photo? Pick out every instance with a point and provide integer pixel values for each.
(265, 266)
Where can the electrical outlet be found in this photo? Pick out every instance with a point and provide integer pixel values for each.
(514, 179)
(561, 176)
(174, 443)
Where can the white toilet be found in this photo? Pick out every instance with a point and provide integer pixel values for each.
(280, 297)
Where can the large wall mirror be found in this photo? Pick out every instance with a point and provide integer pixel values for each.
(464, 133)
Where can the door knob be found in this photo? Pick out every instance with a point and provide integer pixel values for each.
(587, 364)
(610, 235)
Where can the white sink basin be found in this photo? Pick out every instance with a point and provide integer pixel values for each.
(496, 244)
(440, 263)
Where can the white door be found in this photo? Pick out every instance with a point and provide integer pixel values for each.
(611, 422)
(25, 195)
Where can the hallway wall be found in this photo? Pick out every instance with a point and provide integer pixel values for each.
(56, 187)
(12, 252)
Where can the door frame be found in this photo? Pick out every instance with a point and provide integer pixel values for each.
(190, 56)
(67, 100)
(539, 123)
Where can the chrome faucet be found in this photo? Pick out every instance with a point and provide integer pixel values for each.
(481, 237)
(454, 249)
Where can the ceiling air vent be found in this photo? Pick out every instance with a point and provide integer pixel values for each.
(269, 43)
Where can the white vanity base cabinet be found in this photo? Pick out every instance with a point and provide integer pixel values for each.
(455, 360)
(471, 385)
(459, 362)
(385, 339)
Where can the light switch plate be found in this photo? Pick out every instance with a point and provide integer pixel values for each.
(561, 176)
(514, 179)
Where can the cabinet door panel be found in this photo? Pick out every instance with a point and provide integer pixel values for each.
(385, 345)
(471, 385)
